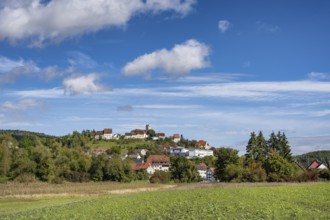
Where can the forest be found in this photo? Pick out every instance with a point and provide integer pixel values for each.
(27, 156)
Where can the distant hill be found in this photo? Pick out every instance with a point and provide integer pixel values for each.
(19, 134)
(307, 159)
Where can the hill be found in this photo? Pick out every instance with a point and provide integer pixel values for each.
(19, 134)
(307, 159)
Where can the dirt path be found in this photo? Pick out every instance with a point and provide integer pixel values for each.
(109, 192)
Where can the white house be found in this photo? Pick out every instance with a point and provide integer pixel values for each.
(202, 169)
(136, 134)
(179, 151)
(154, 163)
(199, 153)
(105, 134)
(176, 138)
(158, 162)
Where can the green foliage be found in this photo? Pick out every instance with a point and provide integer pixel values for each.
(21, 163)
(225, 157)
(115, 169)
(160, 177)
(45, 167)
(278, 168)
(141, 175)
(184, 170)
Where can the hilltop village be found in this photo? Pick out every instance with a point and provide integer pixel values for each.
(169, 146)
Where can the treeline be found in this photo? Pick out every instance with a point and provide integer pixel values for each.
(57, 159)
(265, 160)
(28, 156)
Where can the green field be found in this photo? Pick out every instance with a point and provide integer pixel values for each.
(298, 201)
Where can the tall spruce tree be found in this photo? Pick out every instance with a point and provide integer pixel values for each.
(260, 148)
(284, 147)
(250, 157)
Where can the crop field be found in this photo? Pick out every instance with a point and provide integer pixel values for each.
(297, 201)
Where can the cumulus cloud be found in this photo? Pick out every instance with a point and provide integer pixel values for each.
(83, 84)
(181, 59)
(19, 105)
(59, 19)
(223, 25)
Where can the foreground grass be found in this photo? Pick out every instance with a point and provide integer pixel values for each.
(306, 201)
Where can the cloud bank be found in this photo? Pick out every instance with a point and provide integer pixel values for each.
(60, 19)
(181, 59)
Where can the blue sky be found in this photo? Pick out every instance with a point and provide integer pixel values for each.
(214, 70)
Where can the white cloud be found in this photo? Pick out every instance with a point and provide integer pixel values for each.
(83, 84)
(80, 59)
(318, 76)
(39, 93)
(8, 64)
(19, 105)
(12, 70)
(181, 59)
(61, 19)
(223, 25)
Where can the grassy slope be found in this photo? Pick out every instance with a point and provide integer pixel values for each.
(305, 201)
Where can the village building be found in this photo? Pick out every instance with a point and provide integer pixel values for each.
(201, 144)
(199, 153)
(136, 134)
(153, 163)
(176, 138)
(317, 165)
(202, 169)
(106, 134)
(179, 151)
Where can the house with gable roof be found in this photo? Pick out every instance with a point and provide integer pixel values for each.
(153, 163)
(317, 165)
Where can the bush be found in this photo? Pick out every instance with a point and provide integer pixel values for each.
(160, 177)
(325, 174)
(25, 178)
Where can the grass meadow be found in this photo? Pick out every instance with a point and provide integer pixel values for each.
(197, 201)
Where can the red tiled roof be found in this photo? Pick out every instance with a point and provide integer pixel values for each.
(313, 165)
(158, 159)
(99, 133)
(161, 134)
(202, 166)
(107, 131)
(176, 135)
(139, 166)
(138, 131)
(200, 143)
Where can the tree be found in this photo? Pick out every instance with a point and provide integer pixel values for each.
(250, 148)
(284, 147)
(278, 168)
(45, 169)
(151, 133)
(225, 157)
(5, 155)
(21, 163)
(184, 170)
